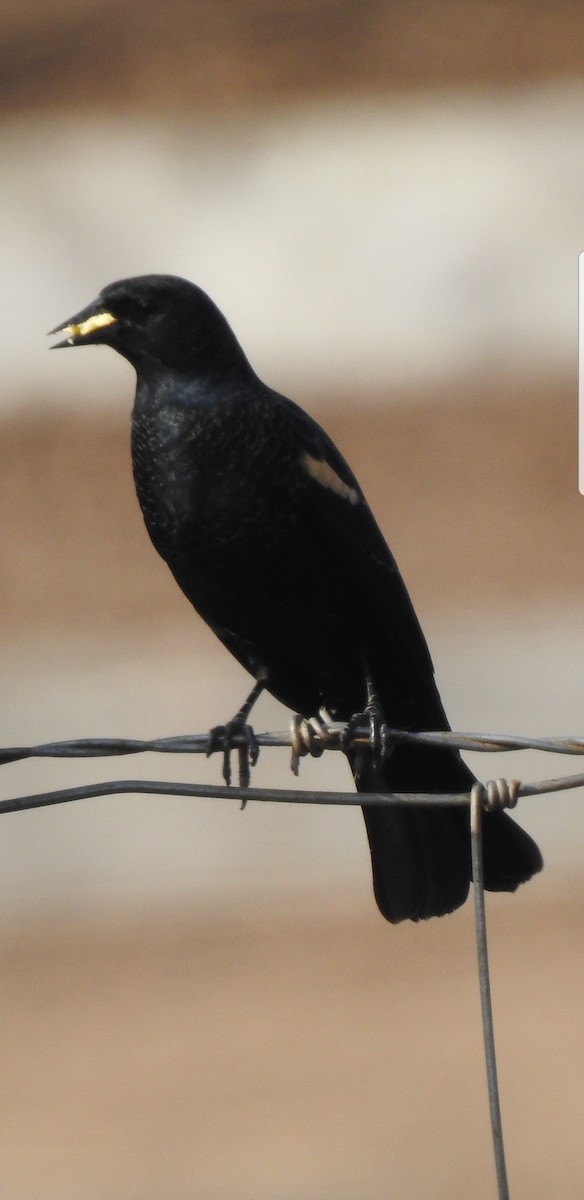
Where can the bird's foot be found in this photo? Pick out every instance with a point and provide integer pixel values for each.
(238, 735)
(235, 735)
(378, 747)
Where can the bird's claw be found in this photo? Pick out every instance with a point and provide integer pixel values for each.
(235, 735)
(378, 746)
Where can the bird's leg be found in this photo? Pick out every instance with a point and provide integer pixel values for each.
(224, 737)
(373, 715)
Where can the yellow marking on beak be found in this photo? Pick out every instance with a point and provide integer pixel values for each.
(325, 475)
(98, 321)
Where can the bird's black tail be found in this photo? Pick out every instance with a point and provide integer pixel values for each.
(420, 855)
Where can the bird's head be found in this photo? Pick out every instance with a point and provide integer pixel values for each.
(155, 320)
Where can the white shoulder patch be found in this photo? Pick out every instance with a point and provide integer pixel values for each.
(325, 475)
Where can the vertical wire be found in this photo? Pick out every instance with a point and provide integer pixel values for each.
(477, 795)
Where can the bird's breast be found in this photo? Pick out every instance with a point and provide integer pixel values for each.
(204, 487)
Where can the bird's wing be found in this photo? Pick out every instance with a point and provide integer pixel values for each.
(352, 540)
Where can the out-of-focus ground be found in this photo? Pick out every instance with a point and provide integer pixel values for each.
(218, 56)
(281, 1053)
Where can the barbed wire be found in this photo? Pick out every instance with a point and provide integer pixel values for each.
(330, 735)
(305, 737)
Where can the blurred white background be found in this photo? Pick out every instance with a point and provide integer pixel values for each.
(375, 243)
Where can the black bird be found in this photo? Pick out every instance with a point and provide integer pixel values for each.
(267, 531)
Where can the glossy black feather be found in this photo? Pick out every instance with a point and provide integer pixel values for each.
(267, 532)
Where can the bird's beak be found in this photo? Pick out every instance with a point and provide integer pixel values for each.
(83, 327)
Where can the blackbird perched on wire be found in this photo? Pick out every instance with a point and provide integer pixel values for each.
(267, 531)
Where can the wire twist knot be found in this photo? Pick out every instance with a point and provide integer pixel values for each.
(496, 794)
(307, 737)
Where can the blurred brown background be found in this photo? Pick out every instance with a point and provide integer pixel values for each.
(385, 200)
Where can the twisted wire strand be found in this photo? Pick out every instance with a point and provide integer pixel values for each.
(306, 736)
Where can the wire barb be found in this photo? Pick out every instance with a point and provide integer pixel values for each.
(308, 735)
(497, 794)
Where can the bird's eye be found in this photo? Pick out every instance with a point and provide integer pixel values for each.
(142, 304)
(132, 308)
